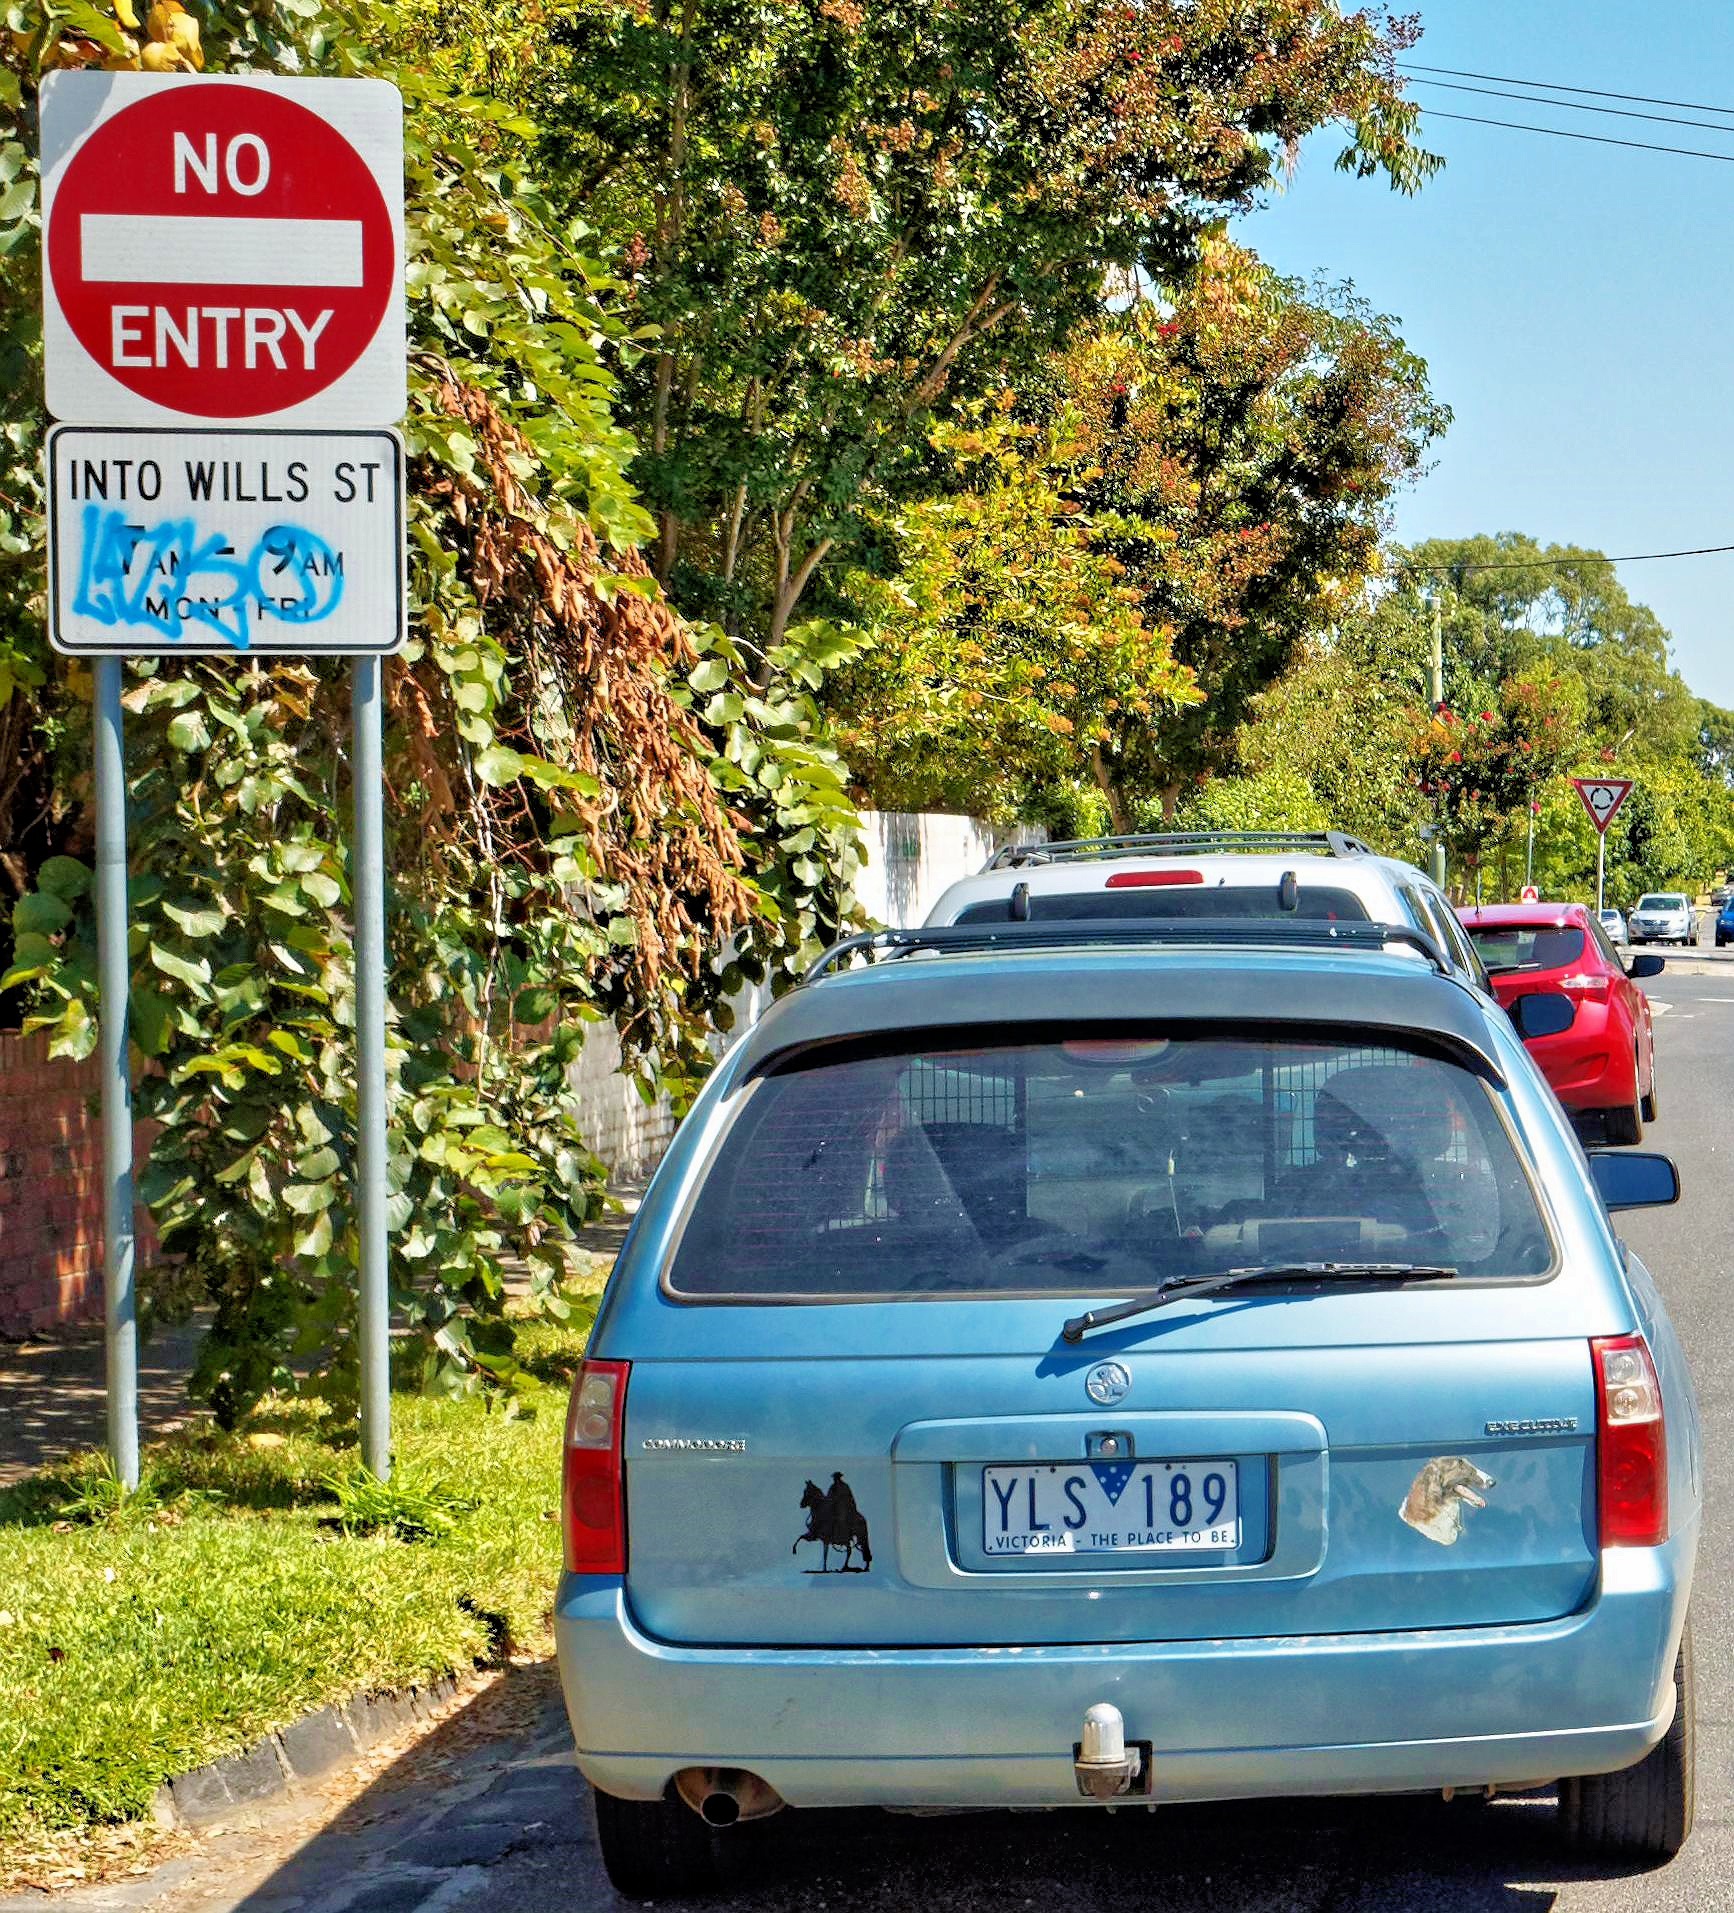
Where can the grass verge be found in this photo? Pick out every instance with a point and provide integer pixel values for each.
(253, 1578)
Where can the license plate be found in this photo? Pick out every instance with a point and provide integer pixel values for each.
(1112, 1507)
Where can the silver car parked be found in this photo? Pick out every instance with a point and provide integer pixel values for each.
(1664, 916)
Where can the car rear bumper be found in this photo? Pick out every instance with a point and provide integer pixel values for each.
(1591, 1065)
(977, 1727)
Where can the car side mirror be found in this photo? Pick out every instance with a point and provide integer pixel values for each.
(1542, 1013)
(1646, 964)
(1634, 1179)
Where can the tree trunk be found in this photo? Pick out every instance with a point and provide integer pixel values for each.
(1110, 789)
(670, 214)
(790, 587)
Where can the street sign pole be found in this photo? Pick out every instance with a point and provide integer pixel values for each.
(120, 1300)
(367, 886)
(1601, 867)
(1436, 684)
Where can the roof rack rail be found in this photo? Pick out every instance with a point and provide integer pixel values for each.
(1307, 933)
(1334, 843)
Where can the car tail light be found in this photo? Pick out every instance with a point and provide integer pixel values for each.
(594, 1477)
(1584, 983)
(1152, 879)
(1631, 1445)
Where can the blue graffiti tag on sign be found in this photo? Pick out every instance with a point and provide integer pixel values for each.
(181, 581)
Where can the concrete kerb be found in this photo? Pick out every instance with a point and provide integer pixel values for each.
(306, 1750)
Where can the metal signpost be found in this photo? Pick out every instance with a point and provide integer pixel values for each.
(223, 334)
(1602, 798)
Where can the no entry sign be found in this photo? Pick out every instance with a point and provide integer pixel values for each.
(225, 249)
(1602, 797)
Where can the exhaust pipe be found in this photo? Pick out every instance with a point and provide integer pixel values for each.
(726, 1796)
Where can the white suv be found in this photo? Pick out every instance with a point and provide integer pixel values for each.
(1253, 874)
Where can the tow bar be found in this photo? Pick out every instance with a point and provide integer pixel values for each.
(1105, 1764)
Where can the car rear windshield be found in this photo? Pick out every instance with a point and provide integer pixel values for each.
(1169, 901)
(1525, 946)
(1086, 1167)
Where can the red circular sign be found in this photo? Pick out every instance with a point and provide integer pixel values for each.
(221, 250)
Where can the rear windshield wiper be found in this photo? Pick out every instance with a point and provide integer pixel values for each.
(1177, 1285)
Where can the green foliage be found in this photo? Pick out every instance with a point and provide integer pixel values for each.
(1338, 721)
(95, 1496)
(1275, 799)
(1007, 642)
(1558, 608)
(1480, 769)
(1097, 601)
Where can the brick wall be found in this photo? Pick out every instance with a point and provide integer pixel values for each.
(50, 1190)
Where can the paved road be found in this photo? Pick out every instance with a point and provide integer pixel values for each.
(486, 1811)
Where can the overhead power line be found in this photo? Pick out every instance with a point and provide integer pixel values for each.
(1555, 564)
(1555, 86)
(1578, 106)
(1595, 139)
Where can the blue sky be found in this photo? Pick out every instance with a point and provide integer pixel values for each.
(1575, 303)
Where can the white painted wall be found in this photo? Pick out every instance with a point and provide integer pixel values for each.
(628, 1133)
(912, 856)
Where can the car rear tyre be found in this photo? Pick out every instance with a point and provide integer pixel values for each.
(1626, 1125)
(654, 1849)
(1645, 1812)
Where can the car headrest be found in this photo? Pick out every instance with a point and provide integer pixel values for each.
(1397, 1109)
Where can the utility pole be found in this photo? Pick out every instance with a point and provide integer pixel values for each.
(1438, 693)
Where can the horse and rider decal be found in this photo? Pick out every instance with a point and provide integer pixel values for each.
(834, 1521)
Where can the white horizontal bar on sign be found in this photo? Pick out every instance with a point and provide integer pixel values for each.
(186, 249)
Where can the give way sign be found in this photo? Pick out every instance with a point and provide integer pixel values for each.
(1602, 797)
(222, 248)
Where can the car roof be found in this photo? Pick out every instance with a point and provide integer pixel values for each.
(1389, 995)
(1546, 916)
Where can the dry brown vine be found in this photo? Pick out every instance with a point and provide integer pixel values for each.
(657, 826)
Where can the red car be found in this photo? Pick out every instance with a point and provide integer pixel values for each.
(1605, 1064)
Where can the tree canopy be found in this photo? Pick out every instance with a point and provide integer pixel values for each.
(846, 220)
(1190, 488)
(1541, 648)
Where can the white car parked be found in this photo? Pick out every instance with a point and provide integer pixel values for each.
(1663, 916)
(1259, 875)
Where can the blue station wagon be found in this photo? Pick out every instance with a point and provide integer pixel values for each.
(1068, 1365)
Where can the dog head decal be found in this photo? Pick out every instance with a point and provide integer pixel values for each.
(1440, 1492)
